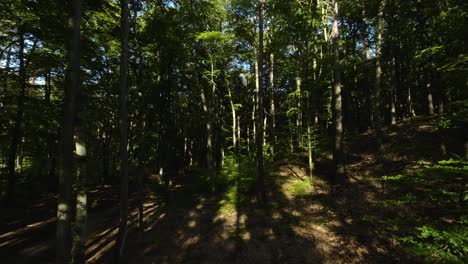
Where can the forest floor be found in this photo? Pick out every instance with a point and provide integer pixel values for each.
(304, 222)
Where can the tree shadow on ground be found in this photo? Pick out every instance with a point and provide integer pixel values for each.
(230, 227)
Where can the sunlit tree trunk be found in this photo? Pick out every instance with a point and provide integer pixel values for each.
(430, 103)
(123, 228)
(255, 101)
(272, 106)
(393, 114)
(299, 112)
(234, 120)
(338, 155)
(81, 212)
(309, 137)
(239, 139)
(64, 236)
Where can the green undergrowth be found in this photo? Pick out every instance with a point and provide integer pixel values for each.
(240, 179)
(431, 222)
(300, 188)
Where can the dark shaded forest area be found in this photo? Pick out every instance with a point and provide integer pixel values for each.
(233, 131)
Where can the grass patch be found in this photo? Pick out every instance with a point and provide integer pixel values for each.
(300, 188)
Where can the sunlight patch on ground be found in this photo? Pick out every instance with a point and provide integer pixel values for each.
(100, 247)
(23, 230)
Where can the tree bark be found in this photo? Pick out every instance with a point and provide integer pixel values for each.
(338, 155)
(234, 120)
(430, 103)
(123, 134)
(299, 112)
(64, 237)
(272, 106)
(81, 217)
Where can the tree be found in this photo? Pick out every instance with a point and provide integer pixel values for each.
(338, 155)
(259, 119)
(378, 74)
(64, 215)
(124, 15)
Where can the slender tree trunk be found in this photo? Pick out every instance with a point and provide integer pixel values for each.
(141, 125)
(393, 114)
(51, 144)
(272, 106)
(377, 111)
(255, 101)
(309, 138)
(209, 133)
(259, 135)
(338, 155)
(265, 124)
(239, 139)
(291, 135)
(212, 120)
(64, 236)
(234, 120)
(248, 137)
(16, 130)
(123, 229)
(299, 112)
(430, 103)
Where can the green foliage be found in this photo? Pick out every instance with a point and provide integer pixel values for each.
(458, 113)
(442, 188)
(300, 188)
(239, 179)
(211, 36)
(445, 244)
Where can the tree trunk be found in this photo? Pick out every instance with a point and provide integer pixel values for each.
(239, 139)
(254, 102)
(309, 138)
(123, 134)
(393, 114)
(234, 120)
(64, 237)
(81, 217)
(338, 155)
(209, 133)
(212, 119)
(272, 106)
(259, 134)
(378, 77)
(299, 112)
(430, 103)
(16, 130)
